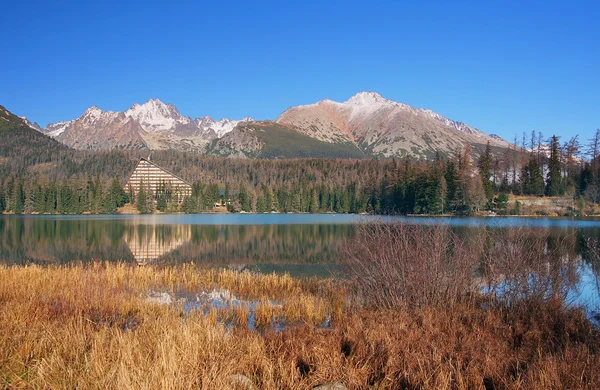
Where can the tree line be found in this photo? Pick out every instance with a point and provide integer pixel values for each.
(68, 181)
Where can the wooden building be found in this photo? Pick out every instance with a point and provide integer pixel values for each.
(152, 177)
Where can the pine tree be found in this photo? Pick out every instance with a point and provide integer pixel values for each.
(161, 197)
(554, 185)
(451, 176)
(485, 171)
(2, 200)
(150, 201)
(130, 194)
(438, 188)
(535, 183)
(19, 201)
(313, 206)
(142, 199)
(244, 199)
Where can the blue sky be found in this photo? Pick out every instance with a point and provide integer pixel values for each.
(504, 67)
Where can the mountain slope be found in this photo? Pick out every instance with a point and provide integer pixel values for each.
(365, 125)
(153, 125)
(381, 127)
(97, 129)
(272, 140)
(22, 145)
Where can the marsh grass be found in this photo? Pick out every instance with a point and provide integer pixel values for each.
(92, 327)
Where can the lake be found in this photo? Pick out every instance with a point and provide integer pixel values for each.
(300, 244)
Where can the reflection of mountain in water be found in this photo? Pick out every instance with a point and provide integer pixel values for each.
(148, 243)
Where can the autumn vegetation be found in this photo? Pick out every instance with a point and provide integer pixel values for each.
(39, 175)
(418, 308)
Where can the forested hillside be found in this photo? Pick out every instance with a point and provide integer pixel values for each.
(39, 175)
(22, 147)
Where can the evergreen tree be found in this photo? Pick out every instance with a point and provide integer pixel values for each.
(313, 206)
(533, 181)
(19, 200)
(50, 198)
(29, 206)
(96, 193)
(260, 205)
(161, 202)
(244, 200)
(65, 202)
(554, 185)
(130, 194)
(2, 201)
(451, 176)
(142, 199)
(40, 201)
(485, 171)
(117, 194)
(161, 197)
(149, 201)
(438, 188)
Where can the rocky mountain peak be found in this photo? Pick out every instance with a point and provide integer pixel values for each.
(366, 122)
(367, 98)
(155, 115)
(92, 111)
(91, 115)
(33, 125)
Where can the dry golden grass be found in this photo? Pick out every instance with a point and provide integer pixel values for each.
(91, 327)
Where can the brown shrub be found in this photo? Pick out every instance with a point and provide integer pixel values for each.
(397, 265)
(526, 264)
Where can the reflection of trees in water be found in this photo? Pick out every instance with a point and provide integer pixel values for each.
(532, 264)
(57, 240)
(591, 253)
(236, 244)
(243, 244)
(41, 240)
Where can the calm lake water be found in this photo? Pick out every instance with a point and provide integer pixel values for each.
(301, 244)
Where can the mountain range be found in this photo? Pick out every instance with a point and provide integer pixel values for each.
(366, 125)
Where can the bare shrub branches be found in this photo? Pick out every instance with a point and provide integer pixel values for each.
(528, 264)
(396, 265)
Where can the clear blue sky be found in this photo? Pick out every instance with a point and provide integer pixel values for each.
(503, 66)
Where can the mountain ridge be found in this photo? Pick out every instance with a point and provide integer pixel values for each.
(382, 127)
(376, 126)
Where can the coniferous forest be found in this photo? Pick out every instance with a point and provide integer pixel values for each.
(40, 175)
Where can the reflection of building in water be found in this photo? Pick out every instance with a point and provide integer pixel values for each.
(148, 243)
(153, 177)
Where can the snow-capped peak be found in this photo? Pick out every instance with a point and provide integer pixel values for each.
(366, 103)
(93, 110)
(449, 122)
(34, 126)
(155, 115)
(367, 98)
(56, 129)
(220, 127)
(92, 114)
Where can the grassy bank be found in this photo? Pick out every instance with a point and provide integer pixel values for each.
(101, 326)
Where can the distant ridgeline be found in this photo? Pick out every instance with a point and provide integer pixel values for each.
(39, 175)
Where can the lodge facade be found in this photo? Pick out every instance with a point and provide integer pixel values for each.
(152, 177)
